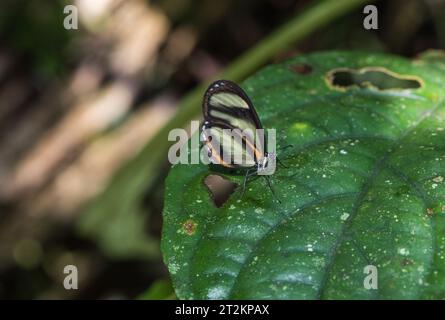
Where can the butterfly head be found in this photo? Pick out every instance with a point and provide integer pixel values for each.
(266, 165)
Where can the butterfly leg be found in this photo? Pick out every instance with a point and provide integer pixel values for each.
(245, 182)
(270, 187)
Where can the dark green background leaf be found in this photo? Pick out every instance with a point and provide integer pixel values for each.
(365, 186)
(159, 290)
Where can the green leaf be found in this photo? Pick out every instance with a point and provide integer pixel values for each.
(364, 185)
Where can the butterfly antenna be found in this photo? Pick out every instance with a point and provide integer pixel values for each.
(271, 189)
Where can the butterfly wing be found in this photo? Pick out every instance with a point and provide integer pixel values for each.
(227, 107)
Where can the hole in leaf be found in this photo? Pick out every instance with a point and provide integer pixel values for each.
(220, 188)
(374, 77)
(301, 68)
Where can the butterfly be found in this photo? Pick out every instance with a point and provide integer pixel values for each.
(233, 134)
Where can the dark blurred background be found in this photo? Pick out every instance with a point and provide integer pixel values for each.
(77, 105)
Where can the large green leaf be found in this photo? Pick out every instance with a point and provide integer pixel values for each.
(365, 185)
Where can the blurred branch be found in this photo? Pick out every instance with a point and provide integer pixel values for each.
(129, 184)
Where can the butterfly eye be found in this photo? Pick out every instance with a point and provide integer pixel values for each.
(209, 152)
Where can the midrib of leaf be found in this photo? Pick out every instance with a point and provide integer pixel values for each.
(380, 164)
